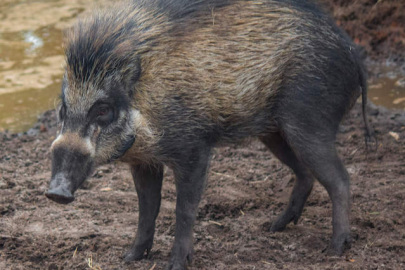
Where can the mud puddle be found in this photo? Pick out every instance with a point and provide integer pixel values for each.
(30, 76)
(31, 56)
(18, 111)
(387, 87)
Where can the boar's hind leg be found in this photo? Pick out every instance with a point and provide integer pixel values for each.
(148, 184)
(303, 183)
(316, 149)
(190, 177)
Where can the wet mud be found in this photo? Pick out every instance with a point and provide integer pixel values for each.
(247, 189)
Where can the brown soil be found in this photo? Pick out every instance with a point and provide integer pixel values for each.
(247, 189)
(377, 25)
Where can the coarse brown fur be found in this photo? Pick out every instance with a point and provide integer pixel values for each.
(200, 62)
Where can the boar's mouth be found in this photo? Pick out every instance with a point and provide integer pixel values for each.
(60, 190)
(60, 195)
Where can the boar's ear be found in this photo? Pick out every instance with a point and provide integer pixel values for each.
(131, 74)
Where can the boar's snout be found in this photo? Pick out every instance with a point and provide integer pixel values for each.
(60, 195)
(72, 163)
(59, 190)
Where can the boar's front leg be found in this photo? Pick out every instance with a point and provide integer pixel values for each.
(190, 176)
(148, 184)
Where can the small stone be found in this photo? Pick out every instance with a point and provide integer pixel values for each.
(32, 132)
(400, 83)
(394, 135)
(398, 100)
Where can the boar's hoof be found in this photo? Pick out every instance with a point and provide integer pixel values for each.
(339, 244)
(177, 263)
(176, 266)
(277, 227)
(280, 224)
(136, 254)
(60, 195)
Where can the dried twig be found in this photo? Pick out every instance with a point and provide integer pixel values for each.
(74, 253)
(216, 223)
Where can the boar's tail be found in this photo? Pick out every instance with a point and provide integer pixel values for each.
(369, 134)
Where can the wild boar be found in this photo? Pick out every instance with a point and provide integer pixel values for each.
(154, 83)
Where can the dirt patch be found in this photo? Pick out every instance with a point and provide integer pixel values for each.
(247, 188)
(377, 25)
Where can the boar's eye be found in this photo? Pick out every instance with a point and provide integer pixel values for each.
(105, 115)
(102, 114)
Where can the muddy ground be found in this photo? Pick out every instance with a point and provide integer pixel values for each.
(247, 189)
(377, 25)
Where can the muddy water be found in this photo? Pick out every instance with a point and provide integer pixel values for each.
(30, 75)
(387, 87)
(31, 60)
(31, 56)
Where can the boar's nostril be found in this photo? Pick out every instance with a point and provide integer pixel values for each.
(60, 195)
